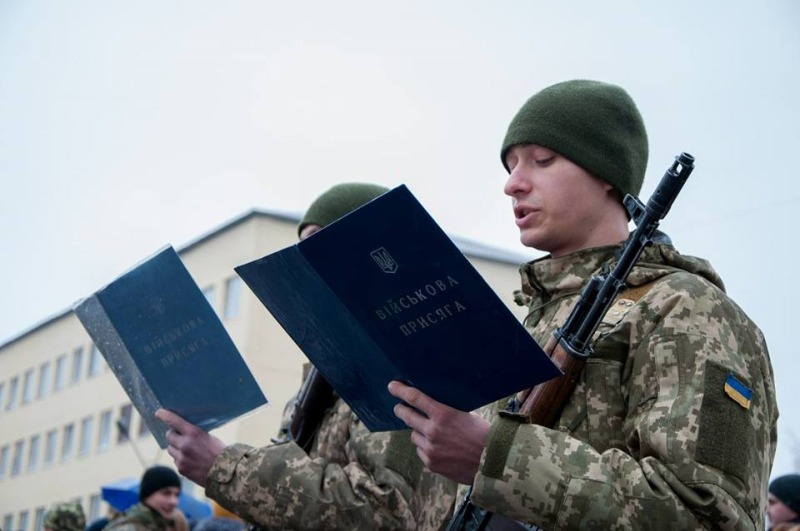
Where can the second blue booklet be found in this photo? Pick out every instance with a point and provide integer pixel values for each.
(167, 346)
(383, 294)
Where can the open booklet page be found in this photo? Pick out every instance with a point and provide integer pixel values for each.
(383, 294)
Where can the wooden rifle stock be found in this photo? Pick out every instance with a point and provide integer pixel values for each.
(315, 397)
(543, 403)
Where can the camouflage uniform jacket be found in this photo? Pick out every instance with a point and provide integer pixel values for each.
(351, 479)
(65, 517)
(650, 439)
(141, 518)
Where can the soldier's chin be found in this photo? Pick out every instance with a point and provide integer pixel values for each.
(167, 512)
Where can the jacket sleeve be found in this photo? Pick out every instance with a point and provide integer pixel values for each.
(378, 483)
(667, 438)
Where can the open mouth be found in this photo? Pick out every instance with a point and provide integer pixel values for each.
(522, 211)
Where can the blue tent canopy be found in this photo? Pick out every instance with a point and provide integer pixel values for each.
(123, 493)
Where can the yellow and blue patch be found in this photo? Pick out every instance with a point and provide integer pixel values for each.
(739, 392)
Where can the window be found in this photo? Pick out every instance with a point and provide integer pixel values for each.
(39, 519)
(86, 436)
(23, 521)
(33, 453)
(50, 447)
(27, 386)
(124, 423)
(11, 403)
(61, 373)
(4, 451)
(233, 293)
(104, 433)
(44, 380)
(94, 507)
(66, 442)
(16, 462)
(8, 520)
(96, 361)
(77, 364)
(144, 431)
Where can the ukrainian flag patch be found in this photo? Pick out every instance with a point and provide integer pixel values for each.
(739, 392)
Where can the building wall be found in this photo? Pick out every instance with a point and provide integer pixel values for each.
(32, 485)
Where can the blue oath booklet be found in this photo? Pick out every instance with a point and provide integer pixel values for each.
(167, 347)
(383, 294)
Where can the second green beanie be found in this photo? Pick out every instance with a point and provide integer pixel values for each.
(338, 201)
(594, 124)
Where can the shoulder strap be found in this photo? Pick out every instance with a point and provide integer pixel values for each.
(625, 300)
(637, 292)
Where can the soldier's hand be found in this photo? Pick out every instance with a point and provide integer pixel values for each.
(449, 442)
(193, 449)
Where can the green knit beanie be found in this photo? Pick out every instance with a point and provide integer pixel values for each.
(596, 125)
(338, 201)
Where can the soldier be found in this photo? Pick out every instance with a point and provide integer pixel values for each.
(65, 517)
(348, 478)
(673, 422)
(157, 509)
(783, 503)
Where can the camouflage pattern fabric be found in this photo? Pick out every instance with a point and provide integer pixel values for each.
(351, 479)
(141, 518)
(652, 438)
(219, 523)
(65, 517)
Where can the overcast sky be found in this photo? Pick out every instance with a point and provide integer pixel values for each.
(125, 126)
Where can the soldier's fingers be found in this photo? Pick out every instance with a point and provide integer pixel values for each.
(423, 457)
(173, 438)
(173, 452)
(398, 389)
(412, 396)
(412, 419)
(419, 440)
(173, 420)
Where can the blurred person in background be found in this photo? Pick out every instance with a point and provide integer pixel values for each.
(783, 503)
(157, 509)
(65, 517)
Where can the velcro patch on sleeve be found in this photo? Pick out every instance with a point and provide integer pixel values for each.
(727, 431)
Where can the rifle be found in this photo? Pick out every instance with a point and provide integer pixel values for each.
(569, 347)
(314, 398)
